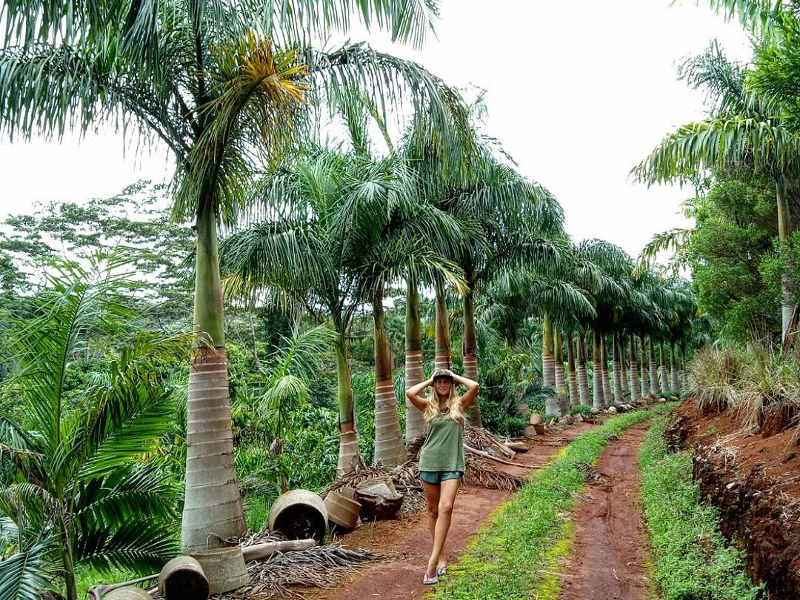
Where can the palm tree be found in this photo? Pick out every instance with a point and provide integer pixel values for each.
(746, 131)
(223, 85)
(77, 495)
(583, 379)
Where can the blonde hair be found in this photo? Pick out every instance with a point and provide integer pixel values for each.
(433, 409)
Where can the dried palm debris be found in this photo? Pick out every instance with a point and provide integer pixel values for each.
(320, 567)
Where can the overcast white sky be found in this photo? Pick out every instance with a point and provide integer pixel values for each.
(577, 92)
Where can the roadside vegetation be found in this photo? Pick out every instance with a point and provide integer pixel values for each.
(691, 559)
(515, 554)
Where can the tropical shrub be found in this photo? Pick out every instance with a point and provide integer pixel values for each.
(75, 490)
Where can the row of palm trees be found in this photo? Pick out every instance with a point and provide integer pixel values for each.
(237, 92)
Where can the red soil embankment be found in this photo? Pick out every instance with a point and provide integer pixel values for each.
(753, 478)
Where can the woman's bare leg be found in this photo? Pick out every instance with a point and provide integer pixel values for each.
(447, 496)
(432, 500)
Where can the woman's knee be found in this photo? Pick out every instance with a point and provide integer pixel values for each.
(445, 506)
(433, 511)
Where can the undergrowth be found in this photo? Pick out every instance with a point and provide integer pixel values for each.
(515, 554)
(690, 558)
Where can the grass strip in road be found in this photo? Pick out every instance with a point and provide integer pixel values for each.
(690, 556)
(514, 554)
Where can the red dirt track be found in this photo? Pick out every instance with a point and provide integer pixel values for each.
(401, 577)
(609, 554)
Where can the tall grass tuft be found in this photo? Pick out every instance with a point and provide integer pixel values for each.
(760, 383)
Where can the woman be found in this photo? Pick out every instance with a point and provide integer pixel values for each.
(441, 460)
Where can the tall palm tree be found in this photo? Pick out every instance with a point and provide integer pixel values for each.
(75, 494)
(583, 379)
(223, 86)
(746, 130)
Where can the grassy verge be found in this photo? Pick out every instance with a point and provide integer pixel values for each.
(513, 556)
(690, 557)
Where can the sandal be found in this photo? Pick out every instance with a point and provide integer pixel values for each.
(441, 570)
(430, 579)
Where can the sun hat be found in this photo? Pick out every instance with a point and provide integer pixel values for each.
(443, 373)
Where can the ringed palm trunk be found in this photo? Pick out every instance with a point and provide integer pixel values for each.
(66, 553)
(623, 362)
(617, 362)
(441, 359)
(607, 399)
(212, 510)
(644, 365)
(636, 390)
(349, 454)
(583, 379)
(784, 227)
(415, 372)
(573, 378)
(676, 385)
(389, 448)
(653, 370)
(597, 379)
(549, 366)
(470, 351)
(561, 394)
(664, 369)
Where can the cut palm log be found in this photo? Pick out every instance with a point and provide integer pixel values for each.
(267, 549)
(477, 452)
(517, 446)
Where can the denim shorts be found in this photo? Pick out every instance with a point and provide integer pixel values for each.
(437, 477)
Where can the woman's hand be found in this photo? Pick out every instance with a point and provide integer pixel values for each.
(414, 397)
(472, 390)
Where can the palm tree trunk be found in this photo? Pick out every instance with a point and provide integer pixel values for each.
(676, 386)
(66, 556)
(549, 366)
(212, 510)
(470, 350)
(561, 395)
(607, 399)
(415, 423)
(636, 390)
(389, 448)
(653, 370)
(644, 366)
(597, 379)
(664, 369)
(573, 379)
(441, 359)
(623, 364)
(617, 363)
(784, 227)
(583, 379)
(349, 453)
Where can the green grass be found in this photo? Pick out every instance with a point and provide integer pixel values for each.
(516, 552)
(690, 558)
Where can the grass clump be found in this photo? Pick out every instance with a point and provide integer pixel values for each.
(691, 560)
(531, 532)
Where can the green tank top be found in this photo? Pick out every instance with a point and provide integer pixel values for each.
(443, 449)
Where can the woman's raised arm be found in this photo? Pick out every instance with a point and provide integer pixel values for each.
(471, 393)
(414, 397)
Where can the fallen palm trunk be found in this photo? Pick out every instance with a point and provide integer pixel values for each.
(267, 549)
(479, 438)
(494, 458)
(98, 592)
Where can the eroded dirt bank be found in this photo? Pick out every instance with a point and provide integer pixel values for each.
(409, 540)
(609, 553)
(754, 480)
